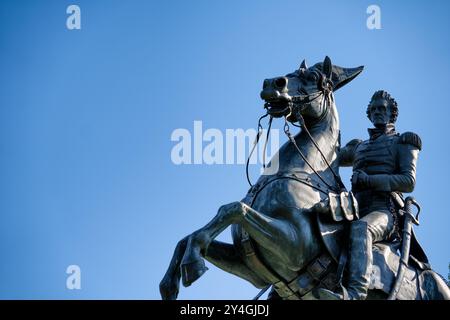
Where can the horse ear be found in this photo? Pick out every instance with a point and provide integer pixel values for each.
(327, 67)
(303, 65)
(342, 76)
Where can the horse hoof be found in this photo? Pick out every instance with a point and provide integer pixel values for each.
(168, 291)
(191, 271)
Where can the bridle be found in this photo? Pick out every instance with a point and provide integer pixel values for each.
(295, 108)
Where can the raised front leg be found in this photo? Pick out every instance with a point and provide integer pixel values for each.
(225, 256)
(279, 236)
(192, 264)
(169, 285)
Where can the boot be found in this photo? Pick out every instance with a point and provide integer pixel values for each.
(359, 265)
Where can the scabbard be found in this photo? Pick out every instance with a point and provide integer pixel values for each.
(406, 244)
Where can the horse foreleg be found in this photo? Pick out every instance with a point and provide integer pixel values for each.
(192, 264)
(276, 235)
(224, 256)
(169, 285)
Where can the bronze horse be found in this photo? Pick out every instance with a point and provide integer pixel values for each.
(276, 239)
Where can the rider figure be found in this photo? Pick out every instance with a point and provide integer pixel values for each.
(383, 164)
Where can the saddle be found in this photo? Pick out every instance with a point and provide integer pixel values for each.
(386, 258)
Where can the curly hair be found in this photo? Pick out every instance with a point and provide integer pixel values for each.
(381, 94)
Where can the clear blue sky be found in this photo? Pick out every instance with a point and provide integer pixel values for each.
(86, 118)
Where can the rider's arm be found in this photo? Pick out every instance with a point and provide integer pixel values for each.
(404, 181)
(346, 155)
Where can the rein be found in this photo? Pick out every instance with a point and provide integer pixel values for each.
(291, 138)
(255, 143)
(301, 121)
(297, 99)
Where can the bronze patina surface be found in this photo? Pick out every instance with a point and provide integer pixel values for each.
(286, 236)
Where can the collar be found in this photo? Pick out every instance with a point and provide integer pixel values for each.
(389, 130)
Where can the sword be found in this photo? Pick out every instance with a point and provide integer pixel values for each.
(406, 242)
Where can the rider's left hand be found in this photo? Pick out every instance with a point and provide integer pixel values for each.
(360, 180)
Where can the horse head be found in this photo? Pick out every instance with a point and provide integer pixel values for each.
(300, 91)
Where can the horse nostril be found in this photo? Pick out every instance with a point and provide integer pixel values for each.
(265, 84)
(281, 82)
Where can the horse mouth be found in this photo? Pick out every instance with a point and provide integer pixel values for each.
(278, 108)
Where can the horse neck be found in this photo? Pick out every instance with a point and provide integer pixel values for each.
(326, 134)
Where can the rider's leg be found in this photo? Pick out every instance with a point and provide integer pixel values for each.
(373, 227)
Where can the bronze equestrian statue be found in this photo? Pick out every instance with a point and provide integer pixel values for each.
(289, 231)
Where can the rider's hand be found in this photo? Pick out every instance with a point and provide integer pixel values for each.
(360, 180)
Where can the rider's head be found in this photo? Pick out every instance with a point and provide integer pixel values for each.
(382, 109)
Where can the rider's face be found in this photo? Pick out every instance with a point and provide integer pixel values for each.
(380, 113)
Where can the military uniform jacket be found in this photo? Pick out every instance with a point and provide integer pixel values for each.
(388, 158)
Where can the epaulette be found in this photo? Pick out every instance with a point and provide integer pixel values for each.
(412, 139)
